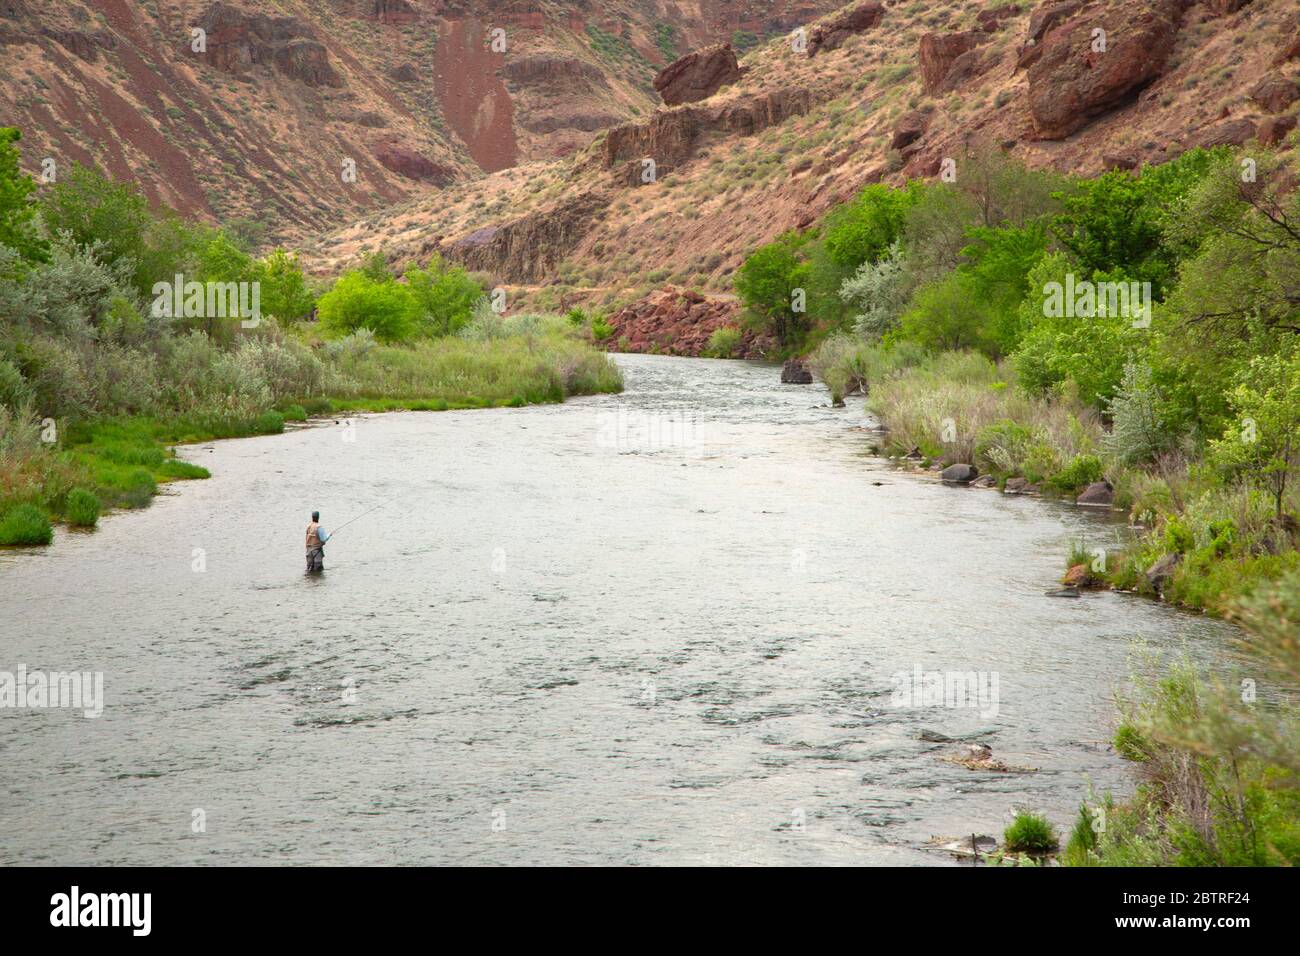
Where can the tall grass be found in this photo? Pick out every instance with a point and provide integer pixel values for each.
(25, 524)
(947, 404)
(463, 371)
(192, 390)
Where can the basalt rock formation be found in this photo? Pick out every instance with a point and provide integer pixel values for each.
(938, 52)
(670, 137)
(236, 41)
(407, 162)
(527, 249)
(698, 75)
(1096, 60)
(831, 33)
(676, 321)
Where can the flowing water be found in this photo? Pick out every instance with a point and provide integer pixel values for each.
(653, 628)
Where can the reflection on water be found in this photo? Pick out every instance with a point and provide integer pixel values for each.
(651, 628)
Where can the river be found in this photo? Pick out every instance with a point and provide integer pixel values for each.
(654, 628)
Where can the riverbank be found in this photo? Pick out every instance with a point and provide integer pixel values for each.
(1200, 541)
(72, 470)
(1216, 755)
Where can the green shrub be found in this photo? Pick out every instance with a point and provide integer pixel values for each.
(1178, 537)
(1130, 744)
(1082, 471)
(81, 508)
(1030, 833)
(269, 422)
(724, 341)
(25, 524)
(1083, 838)
(601, 329)
(294, 413)
(359, 301)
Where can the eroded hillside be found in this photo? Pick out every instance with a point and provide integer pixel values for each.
(874, 92)
(262, 113)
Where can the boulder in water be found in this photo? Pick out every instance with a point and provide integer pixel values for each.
(794, 372)
(960, 473)
(1099, 494)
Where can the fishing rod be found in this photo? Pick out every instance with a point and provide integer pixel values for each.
(363, 514)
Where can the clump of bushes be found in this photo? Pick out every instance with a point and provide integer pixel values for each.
(1030, 833)
(25, 524)
(81, 508)
(724, 341)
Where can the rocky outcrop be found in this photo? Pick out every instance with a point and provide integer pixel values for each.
(368, 118)
(528, 249)
(1073, 81)
(1020, 486)
(393, 11)
(794, 372)
(237, 41)
(938, 52)
(698, 75)
(1231, 132)
(81, 43)
(990, 19)
(674, 321)
(550, 69)
(1274, 129)
(1275, 93)
(831, 33)
(910, 127)
(1045, 17)
(406, 162)
(405, 73)
(670, 136)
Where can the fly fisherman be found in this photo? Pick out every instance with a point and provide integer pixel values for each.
(316, 538)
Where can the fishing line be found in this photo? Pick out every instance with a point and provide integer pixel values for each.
(364, 513)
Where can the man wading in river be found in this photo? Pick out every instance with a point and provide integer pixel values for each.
(316, 538)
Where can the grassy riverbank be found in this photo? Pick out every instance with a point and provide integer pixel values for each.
(120, 460)
(101, 372)
(1135, 337)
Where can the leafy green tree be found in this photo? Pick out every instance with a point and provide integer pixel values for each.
(92, 208)
(375, 266)
(768, 284)
(446, 295)
(284, 291)
(944, 315)
(1265, 440)
(1090, 351)
(357, 301)
(219, 259)
(1117, 222)
(863, 229)
(998, 262)
(17, 230)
